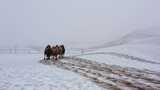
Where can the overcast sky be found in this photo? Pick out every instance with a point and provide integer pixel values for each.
(25, 22)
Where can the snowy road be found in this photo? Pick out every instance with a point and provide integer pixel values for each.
(110, 77)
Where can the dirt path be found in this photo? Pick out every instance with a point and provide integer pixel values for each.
(126, 56)
(110, 77)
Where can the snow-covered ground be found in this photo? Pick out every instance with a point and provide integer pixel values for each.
(24, 72)
(139, 49)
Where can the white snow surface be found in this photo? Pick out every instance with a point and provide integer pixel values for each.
(138, 49)
(24, 72)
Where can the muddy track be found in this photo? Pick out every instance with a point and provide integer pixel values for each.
(130, 57)
(110, 77)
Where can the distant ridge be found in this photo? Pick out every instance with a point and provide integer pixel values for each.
(147, 36)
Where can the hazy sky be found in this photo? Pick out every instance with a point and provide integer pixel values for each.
(65, 21)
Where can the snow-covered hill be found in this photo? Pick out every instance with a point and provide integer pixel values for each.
(147, 36)
(139, 49)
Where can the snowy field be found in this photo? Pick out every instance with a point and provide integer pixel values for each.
(109, 44)
(125, 56)
(129, 63)
(24, 72)
(139, 49)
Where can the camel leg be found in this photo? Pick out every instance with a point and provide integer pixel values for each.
(59, 56)
(53, 58)
(56, 58)
(62, 56)
(48, 57)
(44, 57)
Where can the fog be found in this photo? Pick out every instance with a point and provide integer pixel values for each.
(39, 22)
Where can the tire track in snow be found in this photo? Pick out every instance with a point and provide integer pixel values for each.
(109, 77)
(123, 56)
